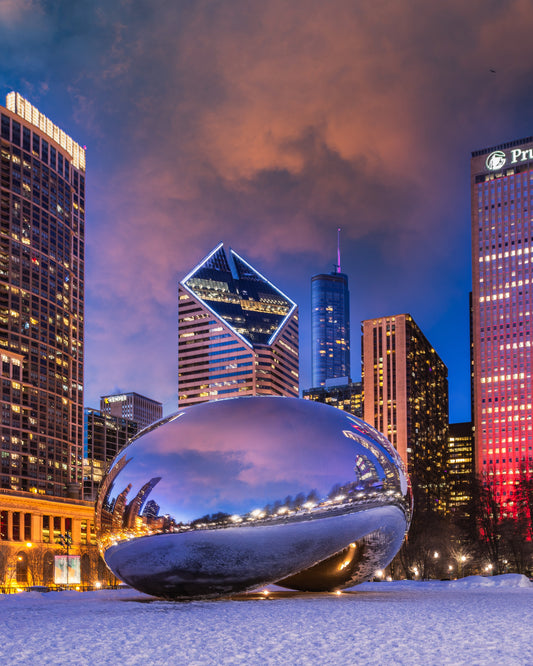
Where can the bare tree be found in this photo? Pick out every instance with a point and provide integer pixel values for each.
(424, 551)
(523, 496)
(516, 547)
(35, 561)
(461, 555)
(484, 535)
(89, 564)
(487, 512)
(5, 561)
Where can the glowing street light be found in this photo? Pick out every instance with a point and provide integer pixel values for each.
(461, 559)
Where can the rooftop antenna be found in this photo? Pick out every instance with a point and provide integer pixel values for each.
(338, 266)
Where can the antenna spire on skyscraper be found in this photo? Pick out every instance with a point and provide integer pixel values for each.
(338, 250)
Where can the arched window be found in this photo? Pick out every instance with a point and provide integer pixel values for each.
(86, 569)
(103, 572)
(22, 568)
(3, 564)
(48, 568)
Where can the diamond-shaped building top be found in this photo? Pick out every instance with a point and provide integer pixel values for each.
(225, 290)
(241, 296)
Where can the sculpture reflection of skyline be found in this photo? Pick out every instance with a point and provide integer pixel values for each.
(126, 521)
(376, 477)
(232, 494)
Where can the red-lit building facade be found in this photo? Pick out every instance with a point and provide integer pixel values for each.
(502, 251)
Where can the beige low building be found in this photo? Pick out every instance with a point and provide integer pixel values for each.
(32, 528)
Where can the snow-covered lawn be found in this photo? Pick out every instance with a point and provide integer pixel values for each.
(471, 621)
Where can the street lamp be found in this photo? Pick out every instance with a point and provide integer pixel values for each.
(461, 559)
(66, 541)
(29, 565)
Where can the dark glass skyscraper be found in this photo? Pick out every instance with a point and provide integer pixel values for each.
(460, 464)
(330, 327)
(42, 220)
(104, 437)
(238, 333)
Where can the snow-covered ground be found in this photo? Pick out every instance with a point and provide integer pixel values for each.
(470, 621)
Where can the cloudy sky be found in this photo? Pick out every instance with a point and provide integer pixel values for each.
(267, 125)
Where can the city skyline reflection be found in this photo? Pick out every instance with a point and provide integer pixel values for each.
(249, 462)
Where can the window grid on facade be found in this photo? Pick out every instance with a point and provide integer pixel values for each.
(42, 220)
(237, 333)
(502, 247)
(405, 390)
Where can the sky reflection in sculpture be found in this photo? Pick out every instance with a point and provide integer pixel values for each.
(239, 459)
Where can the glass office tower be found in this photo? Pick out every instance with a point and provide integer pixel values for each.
(460, 464)
(502, 253)
(104, 437)
(238, 333)
(330, 327)
(42, 220)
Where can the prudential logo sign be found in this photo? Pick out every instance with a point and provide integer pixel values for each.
(495, 160)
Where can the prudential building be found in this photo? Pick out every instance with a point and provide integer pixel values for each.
(502, 255)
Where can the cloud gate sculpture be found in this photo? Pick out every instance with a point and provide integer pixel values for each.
(227, 496)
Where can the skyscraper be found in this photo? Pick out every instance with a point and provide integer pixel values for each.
(132, 406)
(405, 386)
(330, 326)
(460, 464)
(502, 254)
(104, 437)
(42, 220)
(237, 332)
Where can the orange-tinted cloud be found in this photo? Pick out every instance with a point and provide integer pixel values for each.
(267, 125)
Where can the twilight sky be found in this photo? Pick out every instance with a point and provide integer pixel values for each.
(267, 125)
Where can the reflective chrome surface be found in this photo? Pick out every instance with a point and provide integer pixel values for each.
(229, 495)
